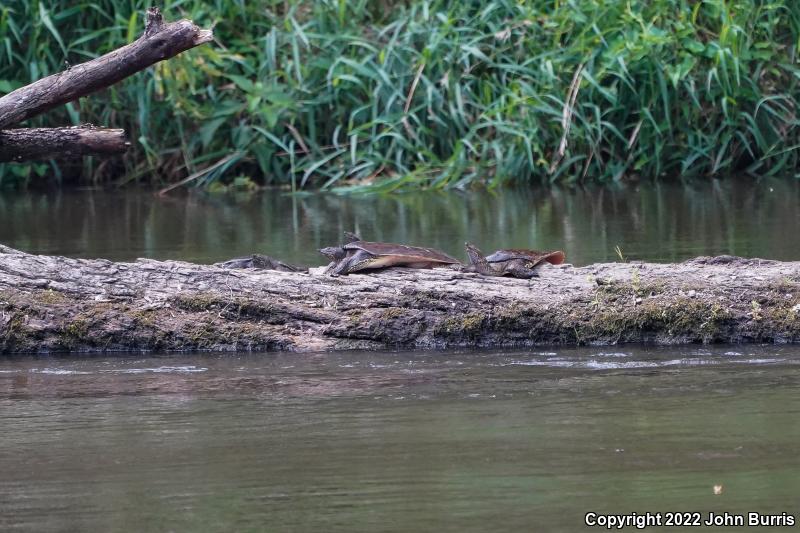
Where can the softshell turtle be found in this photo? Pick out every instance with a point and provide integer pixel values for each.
(515, 263)
(260, 261)
(356, 255)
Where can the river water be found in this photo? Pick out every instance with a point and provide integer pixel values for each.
(656, 222)
(405, 441)
(400, 441)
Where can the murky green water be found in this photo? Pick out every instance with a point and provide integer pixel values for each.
(436, 441)
(661, 222)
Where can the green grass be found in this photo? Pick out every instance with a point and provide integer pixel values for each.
(392, 94)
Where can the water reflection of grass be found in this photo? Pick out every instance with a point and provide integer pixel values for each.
(662, 223)
(437, 93)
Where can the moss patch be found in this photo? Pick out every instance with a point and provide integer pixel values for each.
(50, 297)
(685, 318)
(466, 326)
(202, 301)
(143, 318)
(15, 331)
(75, 332)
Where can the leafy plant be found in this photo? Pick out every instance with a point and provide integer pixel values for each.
(386, 95)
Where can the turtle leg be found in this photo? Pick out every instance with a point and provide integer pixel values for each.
(239, 262)
(268, 263)
(340, 267)
(518, 269)
(263, 262)
(478, 262)
(336, 268)
(351, 263)
(361, 260)
(330, 267)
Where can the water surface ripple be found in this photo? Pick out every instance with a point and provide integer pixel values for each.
(400, 441)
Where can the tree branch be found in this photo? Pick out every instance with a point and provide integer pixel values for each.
(48, 143)
(160, 41)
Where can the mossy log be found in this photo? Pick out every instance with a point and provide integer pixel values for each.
(52, 304)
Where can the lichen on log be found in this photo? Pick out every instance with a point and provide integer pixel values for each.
(62, 304)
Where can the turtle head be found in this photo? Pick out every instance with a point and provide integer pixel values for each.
(334, 253)
(478, 262)
(476, 257)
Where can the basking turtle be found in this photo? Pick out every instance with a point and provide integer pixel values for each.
(356, 255)
(260, 261)
(515, 263)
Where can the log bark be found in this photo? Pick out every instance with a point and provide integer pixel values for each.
(30, 144)
(160, 41)
(59, 304)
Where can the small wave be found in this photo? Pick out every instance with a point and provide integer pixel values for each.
(696, 361)
(559, 363)
(591, 364)
(759, 361)
(155, 370)
(188, 369)
(57, 371)
(691, 362)
(610, 365)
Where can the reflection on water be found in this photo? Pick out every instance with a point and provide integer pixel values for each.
(660, 222)
(436, 441)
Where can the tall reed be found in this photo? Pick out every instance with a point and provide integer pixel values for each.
(393, 94)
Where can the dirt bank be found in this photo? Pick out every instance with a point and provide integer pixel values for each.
(60, 304)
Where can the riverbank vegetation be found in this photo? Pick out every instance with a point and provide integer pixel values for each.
(391, 94)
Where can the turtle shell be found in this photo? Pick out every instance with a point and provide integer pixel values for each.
(402, 252)
(554, 257)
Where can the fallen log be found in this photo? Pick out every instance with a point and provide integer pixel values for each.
(160, 41)
(59, 304)
(30, 144)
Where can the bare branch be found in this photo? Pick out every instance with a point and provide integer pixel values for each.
(48, 143)
(159, 42)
